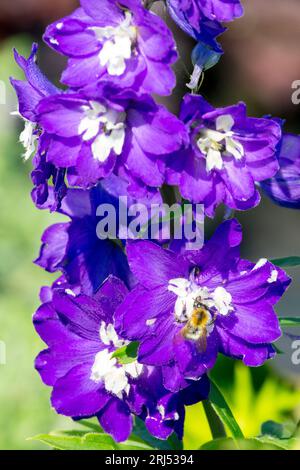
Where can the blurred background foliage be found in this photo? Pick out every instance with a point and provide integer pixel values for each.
(261, 61)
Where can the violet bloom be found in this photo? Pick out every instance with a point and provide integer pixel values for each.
(30, 93)
(117, 41)
(107, 130)
(189, 307)
(220, 10)
(284, 187)
(49, 187)
(76, 249)
(88, 381)
(202, 19)
(191, 19)
(229, 152)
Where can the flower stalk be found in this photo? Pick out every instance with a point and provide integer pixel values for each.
(216, 426)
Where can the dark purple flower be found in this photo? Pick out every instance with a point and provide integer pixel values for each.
(75, 249)
(202, 19)
(108, 130)
(30, 93)
(189, 307)
(190, 17)
(88, 381)
(45, 195)
(228, 153)
(220, 10)
(36, 86)
(118, 41)
(199, 14)
(284, 187)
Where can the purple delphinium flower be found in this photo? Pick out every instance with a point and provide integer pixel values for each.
(220, 10)
(188, 307)
(88, 381)
(202, 19)
(191, 19)
(229, 152)
(284, 187)
(107, 129)
(76, 249)
(30, 93)
(36, 87)
(46, 195)
(118, 41)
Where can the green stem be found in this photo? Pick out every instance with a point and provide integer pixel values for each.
(168, 194)
(148, 3)
(216, 426)
(289, 322)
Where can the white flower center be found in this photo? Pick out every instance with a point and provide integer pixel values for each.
(162, 411)
(106, 368)
(189, 295)
(106, 126)
(28, 138)
(117, 45)
(215, 142)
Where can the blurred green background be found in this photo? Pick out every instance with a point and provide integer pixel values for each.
(271, 392)
(24, 406)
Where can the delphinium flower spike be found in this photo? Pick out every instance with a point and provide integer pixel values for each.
(188, 307)
(88, 380)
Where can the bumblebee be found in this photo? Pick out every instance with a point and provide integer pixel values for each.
(196, 327)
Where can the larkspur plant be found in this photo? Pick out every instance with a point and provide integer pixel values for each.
(133, 327)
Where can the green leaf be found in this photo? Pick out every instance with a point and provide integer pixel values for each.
(215, 424)
(174, 442)
(80, 440)
(289, 322)
(222, 409)
(278, 430)
(75, 440)
(282, 444)
(256, 443)
(90, 425)
(141, 431)
(133, 445)
(289, 262)
(127, 354)
(222, 443)
(271, 428)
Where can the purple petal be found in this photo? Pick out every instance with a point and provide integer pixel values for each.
(160, 266)
(173, 379)
(81, 314)
(139, 306)
(256, 323)
(105, 13)
(220, 253)
(76, 394)
(161, 127)
(61, 114)
(158, 348)
(116, 419)
(251, 355)
(53, 250)
(192, 362)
